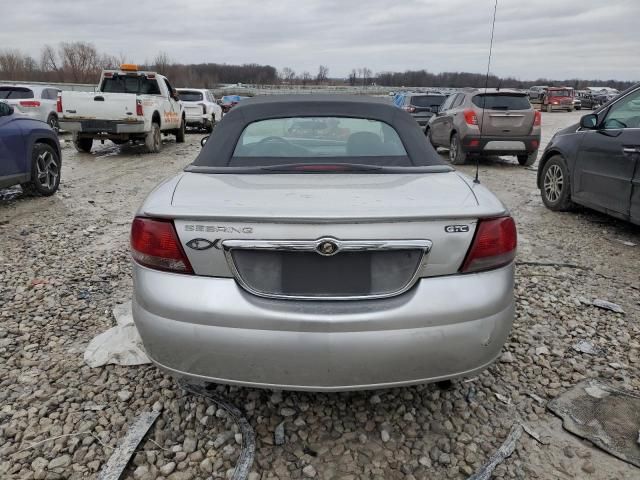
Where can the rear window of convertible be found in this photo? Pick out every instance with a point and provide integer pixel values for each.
(320, 139)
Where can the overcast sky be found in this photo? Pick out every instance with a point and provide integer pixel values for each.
(534, 38)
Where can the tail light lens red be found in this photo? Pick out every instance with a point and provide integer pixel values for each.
(59, 104)
(537, 119)
(29, 103)
(155, 244)
(494, 245)
(470, 117)
(139, 109)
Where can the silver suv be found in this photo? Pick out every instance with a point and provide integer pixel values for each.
(495, 122)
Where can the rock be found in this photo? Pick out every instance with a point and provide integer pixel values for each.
(59, 462)
(287, 412)
(384, 435)
(124, 395)
(140, 472)
(543, 350)
(206, 465)
(568, 451)
(507, 357)
(167, 468)
(189, 445)
(276, 398)
(374, 399)
(588, 467)
(253, 476)
(278, 434)
(309, 471)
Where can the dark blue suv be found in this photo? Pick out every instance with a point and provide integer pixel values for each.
(29, 153)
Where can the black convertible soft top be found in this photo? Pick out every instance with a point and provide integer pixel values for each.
(218, 151)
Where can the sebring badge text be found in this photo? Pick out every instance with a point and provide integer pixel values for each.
(217, 228)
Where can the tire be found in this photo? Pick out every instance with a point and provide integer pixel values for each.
(180, 132)
(549, 108)
(45, 171)
(578, 108)
(570, 109)
(556, 194)
(53, 123)
(153, 140)
(528, 159)
(457, 156)
(83, 145)
(208, 125)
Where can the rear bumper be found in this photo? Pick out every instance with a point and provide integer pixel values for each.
(501, 145)
(102, 126)
(198, 118)
(422, 120)
(210, 329)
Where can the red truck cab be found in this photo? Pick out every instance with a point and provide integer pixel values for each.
(558, 98)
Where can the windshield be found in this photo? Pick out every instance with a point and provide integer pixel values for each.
(502, 102)
(15, 92)
(190, 96)
(314, 140)
(138, 84)
(427, 100)
(559, 93)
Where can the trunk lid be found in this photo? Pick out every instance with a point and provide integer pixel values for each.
(437, 208)
(99, 106)
(505, 114)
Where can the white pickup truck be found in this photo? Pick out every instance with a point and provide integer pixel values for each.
(130, 105)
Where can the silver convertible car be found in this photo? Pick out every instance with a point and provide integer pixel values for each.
(320, 243)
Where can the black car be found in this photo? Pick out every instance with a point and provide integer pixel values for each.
(597, 163)
(421, 106)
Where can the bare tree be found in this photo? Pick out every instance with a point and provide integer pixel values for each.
(80, 61)
(323, 74)
(353, 77)
(162, 62)
(288, 75)
(366, 75)
(305, 78)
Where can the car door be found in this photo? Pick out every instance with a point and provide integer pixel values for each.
(172, 112)
(607, 158)
(13, 160)
(441, 121)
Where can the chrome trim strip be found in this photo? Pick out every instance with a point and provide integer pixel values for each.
(312, 246)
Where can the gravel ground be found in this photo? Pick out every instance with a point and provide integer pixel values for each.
(65, 266)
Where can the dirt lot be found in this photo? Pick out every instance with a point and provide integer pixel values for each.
(65, 266)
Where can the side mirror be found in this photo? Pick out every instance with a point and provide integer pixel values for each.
(203, 140)
(589, 121)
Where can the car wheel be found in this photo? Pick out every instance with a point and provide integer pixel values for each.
(45, 171)
(153, 140)
(427, 133)
(83, 144)
(456, 155)
(53, 123)
(578, 108)
(549, 109)
(180, 132)
(209, 124)
(528, 159)
(556, 186)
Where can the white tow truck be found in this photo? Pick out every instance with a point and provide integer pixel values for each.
(129, 105)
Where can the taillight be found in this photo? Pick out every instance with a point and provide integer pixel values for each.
(537, 119)
(409, 109)
(59, 104)
(494, 245)
(470, 117)
(155, 244)
(204, 108)
(139, 110)
(29, 103)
